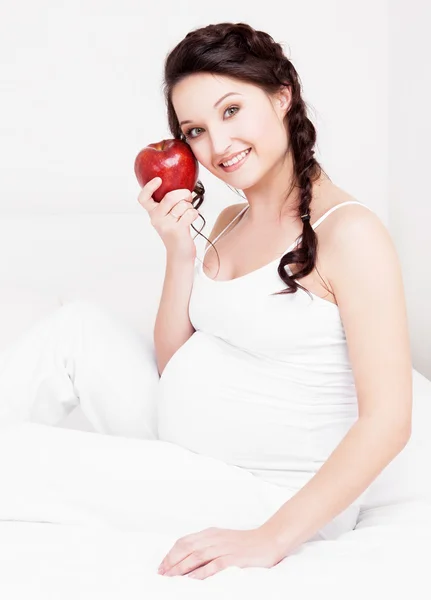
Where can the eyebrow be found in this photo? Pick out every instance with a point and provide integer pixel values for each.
(217, 103)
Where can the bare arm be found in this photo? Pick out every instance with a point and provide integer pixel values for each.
(173, 326)
(367, 281)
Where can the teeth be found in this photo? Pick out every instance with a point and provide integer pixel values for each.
(236, 159)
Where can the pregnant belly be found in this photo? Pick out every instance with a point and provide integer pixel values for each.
(220, 401)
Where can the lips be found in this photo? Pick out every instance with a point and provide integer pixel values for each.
(234, 155)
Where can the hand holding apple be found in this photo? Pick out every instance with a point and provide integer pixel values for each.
(170, 159)
(171, 218)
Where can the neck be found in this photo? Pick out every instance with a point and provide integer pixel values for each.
(273, 197)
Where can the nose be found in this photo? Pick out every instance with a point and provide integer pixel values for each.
(221, 145)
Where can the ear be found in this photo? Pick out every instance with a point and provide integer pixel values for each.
(284, 99)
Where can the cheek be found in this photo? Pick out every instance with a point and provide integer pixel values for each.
(265, 134)
(203, 155)
(273, 140)
(200, 153)
(257, 132)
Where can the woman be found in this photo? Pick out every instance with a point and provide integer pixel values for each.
(306, 385)
(285, 354)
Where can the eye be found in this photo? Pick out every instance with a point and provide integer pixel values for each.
(188, 133)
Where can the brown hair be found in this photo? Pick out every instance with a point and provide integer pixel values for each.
(237, 50)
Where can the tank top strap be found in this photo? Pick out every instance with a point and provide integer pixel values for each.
(228, 225)
(316, 224)
(328, 212)
(322, 218)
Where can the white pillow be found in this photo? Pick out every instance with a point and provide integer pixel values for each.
(20, 307)
(407, 477)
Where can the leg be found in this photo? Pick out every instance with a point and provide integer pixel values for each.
(82, 354)
(80, 478)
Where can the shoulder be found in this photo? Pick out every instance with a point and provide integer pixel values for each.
(353, 233)
(225, 217)
(353, 244)
(230, 212)
(331, 201)
(352, 224)
(361, 264)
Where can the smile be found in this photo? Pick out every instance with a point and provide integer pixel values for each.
(236, 162)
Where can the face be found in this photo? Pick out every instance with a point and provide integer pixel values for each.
(248, 118)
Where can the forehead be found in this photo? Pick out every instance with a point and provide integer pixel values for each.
(199, 92)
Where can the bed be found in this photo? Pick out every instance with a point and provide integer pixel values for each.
(91, 516)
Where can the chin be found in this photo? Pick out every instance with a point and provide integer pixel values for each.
(241, 183)
(253, 181)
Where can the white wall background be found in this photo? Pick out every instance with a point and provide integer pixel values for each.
(81, 95)
(409, 201)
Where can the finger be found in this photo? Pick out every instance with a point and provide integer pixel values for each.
(145, 195)
(174, 197)
(185, 546)
(180, 208)
(193, 561)
(189, 215)
(211, 568)
(170, 561)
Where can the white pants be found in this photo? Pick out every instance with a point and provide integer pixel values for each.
(81, 354)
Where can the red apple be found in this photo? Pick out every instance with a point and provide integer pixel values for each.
(173, 161)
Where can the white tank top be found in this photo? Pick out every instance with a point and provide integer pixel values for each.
(265, 382)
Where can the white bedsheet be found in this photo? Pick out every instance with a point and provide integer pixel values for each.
(84, 515)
